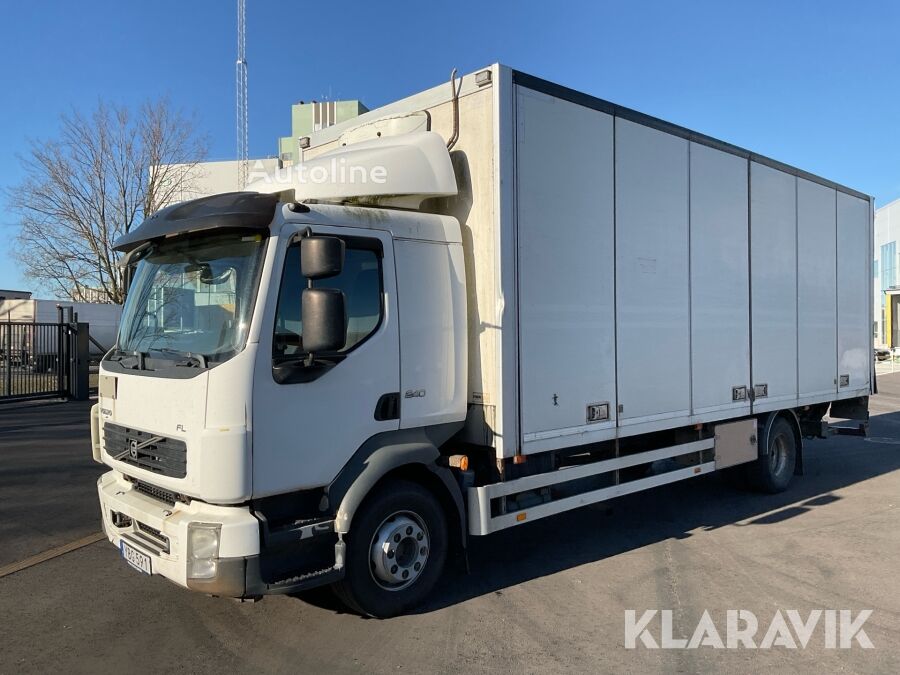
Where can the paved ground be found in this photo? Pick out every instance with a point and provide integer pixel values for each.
(548, 597)
(888, 367)
(46, 477)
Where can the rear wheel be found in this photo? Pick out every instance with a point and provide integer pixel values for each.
(773, 471)
(395, 550)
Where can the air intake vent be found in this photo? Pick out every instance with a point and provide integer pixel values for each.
(158, 493)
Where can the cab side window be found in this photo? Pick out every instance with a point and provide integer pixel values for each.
(361, 282)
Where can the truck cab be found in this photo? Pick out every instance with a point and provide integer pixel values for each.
(269, 376)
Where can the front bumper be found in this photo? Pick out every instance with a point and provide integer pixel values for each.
(160, 531)
(295, 559)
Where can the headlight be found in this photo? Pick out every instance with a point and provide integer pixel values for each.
(203, 550)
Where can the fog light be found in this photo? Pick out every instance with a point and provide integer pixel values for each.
(203, 550)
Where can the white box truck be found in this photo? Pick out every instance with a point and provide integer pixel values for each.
(487, 303)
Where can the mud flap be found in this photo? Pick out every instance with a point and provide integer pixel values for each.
(855, 409)
(851, 409)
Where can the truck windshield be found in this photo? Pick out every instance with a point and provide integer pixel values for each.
(191, 300)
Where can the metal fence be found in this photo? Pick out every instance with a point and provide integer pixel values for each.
(37, 359)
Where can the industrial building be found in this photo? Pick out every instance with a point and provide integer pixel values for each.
(885, 280)
(314, 116)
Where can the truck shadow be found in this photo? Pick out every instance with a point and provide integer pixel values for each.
(678, 511)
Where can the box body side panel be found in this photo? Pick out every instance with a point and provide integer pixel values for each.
(773, 263)
(854, 336)
(816, 290)
(566, 267)
(720, 282)
(652, 296)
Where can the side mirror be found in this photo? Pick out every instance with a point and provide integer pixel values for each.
(321, 257)
(324, 319)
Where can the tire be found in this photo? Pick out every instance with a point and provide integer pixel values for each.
(389, 528)
(773, 471)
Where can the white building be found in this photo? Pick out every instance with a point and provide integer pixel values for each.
(886, 280)
(210, 178)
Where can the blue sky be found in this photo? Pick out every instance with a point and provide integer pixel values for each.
(814, 84)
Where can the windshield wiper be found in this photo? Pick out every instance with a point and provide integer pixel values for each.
(191, 360)
(139, 363)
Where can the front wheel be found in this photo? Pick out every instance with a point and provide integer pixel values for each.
(396, 550)
(773, 471)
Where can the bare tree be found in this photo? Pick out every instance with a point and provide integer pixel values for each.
(82, 191)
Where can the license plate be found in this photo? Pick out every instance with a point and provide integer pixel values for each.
(139, 561)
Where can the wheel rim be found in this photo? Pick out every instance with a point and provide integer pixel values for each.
(778, 455)
(399, 550)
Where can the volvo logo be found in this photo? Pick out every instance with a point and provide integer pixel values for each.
(132, 447)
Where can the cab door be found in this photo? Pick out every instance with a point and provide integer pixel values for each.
(305, 431)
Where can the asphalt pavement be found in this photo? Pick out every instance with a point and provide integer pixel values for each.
(547, 597)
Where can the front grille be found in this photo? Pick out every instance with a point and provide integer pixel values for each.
(165, 456)
(155, 492)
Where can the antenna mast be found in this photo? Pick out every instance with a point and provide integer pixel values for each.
(241, 89)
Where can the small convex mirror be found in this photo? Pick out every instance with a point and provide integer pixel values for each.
(321, 257)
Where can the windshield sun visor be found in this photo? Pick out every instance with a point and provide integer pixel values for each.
(250, 210)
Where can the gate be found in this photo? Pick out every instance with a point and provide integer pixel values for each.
(42, 360)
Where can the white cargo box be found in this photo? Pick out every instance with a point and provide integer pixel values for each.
(627, 275)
